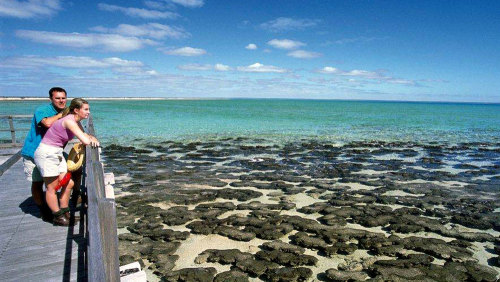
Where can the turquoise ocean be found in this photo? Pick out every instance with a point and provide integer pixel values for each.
(133, 121)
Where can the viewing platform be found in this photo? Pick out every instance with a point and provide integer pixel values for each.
(34, 250)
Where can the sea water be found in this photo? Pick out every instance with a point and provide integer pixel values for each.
(132, 121)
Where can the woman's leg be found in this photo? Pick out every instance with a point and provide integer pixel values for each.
(66, 193)
(53, 203)
(50, 195)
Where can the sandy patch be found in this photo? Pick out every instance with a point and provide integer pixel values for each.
(196, 244)
(359, 186)
(302, 200)
(482, 255)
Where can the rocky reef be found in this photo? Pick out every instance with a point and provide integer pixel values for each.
(240, 209)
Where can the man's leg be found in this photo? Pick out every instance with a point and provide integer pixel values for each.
(33, 175)
(37, 193)
(39, 199)
(76, 198)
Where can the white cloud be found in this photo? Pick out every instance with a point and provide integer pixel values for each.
(401, 81)
(195, 67)
(106, 42)
(136, 12)
(184, 51)
(63, 61)
(286, 44)
(330, 70)
(364, 74)
(251, 46)
(301, 54)
(114, 61)
(189, 3)
(257, 67)
(156, 5)
(221, 67)
(354, 73)
(205, 67)
(285, 24)
(29, 9)
(22, 82)
(115, 64)
(153, 30)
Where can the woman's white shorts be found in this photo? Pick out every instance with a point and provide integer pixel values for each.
(50, 160)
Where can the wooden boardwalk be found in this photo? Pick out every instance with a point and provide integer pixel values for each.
(31, 249)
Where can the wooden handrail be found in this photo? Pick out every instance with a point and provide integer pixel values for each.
(15, 116)
(102, 239)
(12, 129)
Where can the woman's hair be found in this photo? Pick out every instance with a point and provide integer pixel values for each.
(76, 103)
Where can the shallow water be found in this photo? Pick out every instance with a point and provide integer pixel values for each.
(287, 120)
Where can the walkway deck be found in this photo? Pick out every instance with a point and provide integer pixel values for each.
(31, 249)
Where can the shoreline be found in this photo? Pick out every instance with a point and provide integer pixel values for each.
(108, 98)
(6, 98)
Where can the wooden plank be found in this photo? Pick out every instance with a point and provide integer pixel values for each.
(46, 238)
(98, 174)
(57, 269)
(32, 256)
(109, 178)
(16, 116)
(10, 145)
(107, 219)
(94, 247)
(9, 220)
(8, 163)
(52, 247)
(12, 130)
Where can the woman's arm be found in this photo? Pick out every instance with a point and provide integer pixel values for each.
(84, 137)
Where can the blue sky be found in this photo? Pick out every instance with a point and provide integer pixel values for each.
(370, 50)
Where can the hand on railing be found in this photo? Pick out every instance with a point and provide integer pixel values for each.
(94, 142)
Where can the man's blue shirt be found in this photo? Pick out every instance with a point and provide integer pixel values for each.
(37, 130)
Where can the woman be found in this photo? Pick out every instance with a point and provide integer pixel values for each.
(50, 160)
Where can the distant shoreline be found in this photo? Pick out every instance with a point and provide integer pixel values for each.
(104, 98)
(4, 98)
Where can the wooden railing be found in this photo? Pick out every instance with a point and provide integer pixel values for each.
(102, 240)
(12, 129)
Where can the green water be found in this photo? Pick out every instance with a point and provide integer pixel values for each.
(339, 121)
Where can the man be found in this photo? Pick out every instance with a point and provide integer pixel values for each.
(43, 118)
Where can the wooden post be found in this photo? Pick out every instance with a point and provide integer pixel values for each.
(12, 131)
